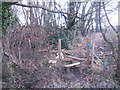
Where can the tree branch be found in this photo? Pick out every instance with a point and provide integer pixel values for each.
(42, 7)
(103, 34)
(108, 18)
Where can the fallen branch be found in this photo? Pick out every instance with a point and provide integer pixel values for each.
(25, 65)
(97, 57)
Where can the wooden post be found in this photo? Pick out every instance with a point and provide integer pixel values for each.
(81, 63)
(105, 64)
(92, 53)
(59, 48)
(88, 52)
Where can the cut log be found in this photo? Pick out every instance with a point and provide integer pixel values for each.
(64, 59)
(76, 58)
(70, 58)
(69, 51)
(71, 65)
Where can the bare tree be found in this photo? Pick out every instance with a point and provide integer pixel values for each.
(115, 52)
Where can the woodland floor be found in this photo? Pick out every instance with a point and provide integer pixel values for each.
(46, 76)
(55, 79)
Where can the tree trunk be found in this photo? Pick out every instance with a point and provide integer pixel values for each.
(1, 55)
(118, 58)
(97, 16)
(118, 52)
(1, 50)
(1, 47)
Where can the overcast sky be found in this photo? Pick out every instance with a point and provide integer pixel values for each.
(112, 16)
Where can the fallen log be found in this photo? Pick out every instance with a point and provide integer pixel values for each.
(76, 58)
(63, 59)
(68, 51)
(71, 65)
